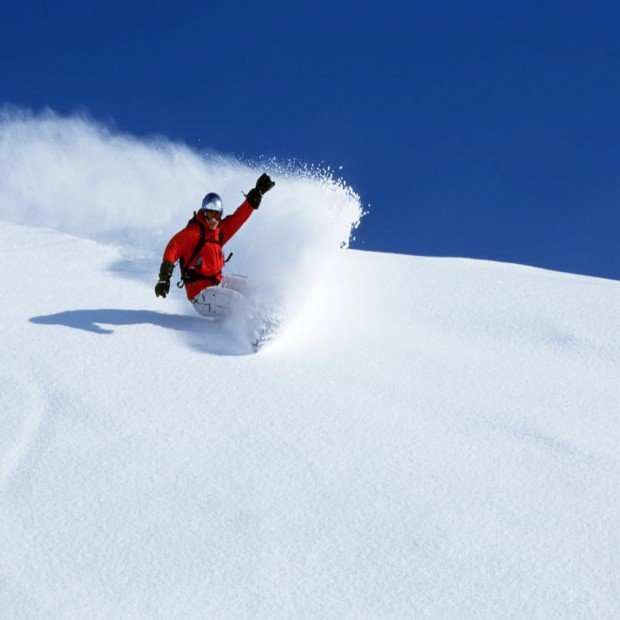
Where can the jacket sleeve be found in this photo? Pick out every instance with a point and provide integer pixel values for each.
(232, 223)
(177, 246)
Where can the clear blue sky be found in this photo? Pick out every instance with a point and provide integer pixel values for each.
(479, 129)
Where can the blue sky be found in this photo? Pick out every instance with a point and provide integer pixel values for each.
(484, 129)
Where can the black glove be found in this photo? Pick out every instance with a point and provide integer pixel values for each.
(162, 288)
(263, 185)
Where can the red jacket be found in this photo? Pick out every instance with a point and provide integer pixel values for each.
(210, 260)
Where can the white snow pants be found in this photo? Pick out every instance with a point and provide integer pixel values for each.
(232, 295)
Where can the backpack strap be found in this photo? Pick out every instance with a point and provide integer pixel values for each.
(196, 251)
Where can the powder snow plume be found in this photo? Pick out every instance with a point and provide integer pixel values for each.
(77, 176)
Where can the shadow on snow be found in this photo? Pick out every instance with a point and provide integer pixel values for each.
(202, 335)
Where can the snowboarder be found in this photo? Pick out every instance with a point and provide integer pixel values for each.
(198, 248)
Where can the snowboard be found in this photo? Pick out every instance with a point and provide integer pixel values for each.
(242, 312)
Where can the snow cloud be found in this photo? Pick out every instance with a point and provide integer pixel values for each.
(77, 176)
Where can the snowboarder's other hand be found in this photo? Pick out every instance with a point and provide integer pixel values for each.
(264, 183)
(162, 288)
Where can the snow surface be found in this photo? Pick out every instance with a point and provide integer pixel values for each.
(426, 438)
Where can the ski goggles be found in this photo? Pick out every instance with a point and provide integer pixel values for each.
(211, 214)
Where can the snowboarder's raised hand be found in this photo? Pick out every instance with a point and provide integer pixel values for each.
(263, 185)
(162, 288)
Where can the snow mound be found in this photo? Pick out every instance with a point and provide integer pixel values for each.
(439, 443)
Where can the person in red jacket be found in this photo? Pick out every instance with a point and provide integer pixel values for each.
(198, 248)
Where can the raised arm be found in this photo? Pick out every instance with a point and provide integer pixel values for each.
(231, 224)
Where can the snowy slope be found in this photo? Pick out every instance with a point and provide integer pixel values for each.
(428, 438)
